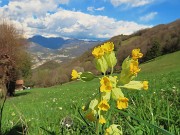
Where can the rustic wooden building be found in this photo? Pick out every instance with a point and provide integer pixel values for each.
(19, 84)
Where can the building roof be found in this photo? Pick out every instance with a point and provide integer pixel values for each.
(19, 82)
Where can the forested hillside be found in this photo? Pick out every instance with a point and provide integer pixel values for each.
(153, 42)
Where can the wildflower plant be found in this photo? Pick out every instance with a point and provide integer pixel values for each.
(111, 87)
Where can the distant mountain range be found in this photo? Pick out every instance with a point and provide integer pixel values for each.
(57, 49)
(56, 42)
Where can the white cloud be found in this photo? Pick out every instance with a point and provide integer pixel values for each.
(63, 1)
(92, 9)
(34, 18)
(131, 3)
(100, 9)
(148, 17)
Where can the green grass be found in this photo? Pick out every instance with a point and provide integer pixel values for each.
(43, 108)
(126, 42)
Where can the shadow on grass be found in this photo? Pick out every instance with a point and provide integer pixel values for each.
(16, 130)
(21, 93)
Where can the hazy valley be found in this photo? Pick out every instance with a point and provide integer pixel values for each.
(42, 49)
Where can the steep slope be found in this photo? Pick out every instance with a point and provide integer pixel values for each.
(166, 37)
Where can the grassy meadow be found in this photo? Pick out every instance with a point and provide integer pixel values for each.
(40, 110)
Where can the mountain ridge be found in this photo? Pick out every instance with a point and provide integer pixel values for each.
(44, 49)
(55, 42)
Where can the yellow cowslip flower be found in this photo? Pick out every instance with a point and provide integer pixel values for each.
(134, 69)
(83, 107)
(98, 52)
(103, 105)
(74, 74)
(122, 103)
(145, 85)
(106, 85)
(136, 54)
(108, 130)
(102, 120)
(90, 116)
(108, 47)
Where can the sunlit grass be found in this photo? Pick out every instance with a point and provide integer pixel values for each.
(126, 42)
(43, 108)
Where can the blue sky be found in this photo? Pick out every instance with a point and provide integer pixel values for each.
(87, 19)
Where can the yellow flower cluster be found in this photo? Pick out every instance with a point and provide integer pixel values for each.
(108, 47)
(136, 54)
(99, 51)
(110, 86)
(134, 69)
(74, 74)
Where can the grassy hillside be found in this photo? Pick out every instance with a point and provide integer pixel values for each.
(153, 42)
(166, 63)
(42, 109)
(167, 37)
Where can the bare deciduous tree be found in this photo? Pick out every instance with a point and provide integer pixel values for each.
(12, 55)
